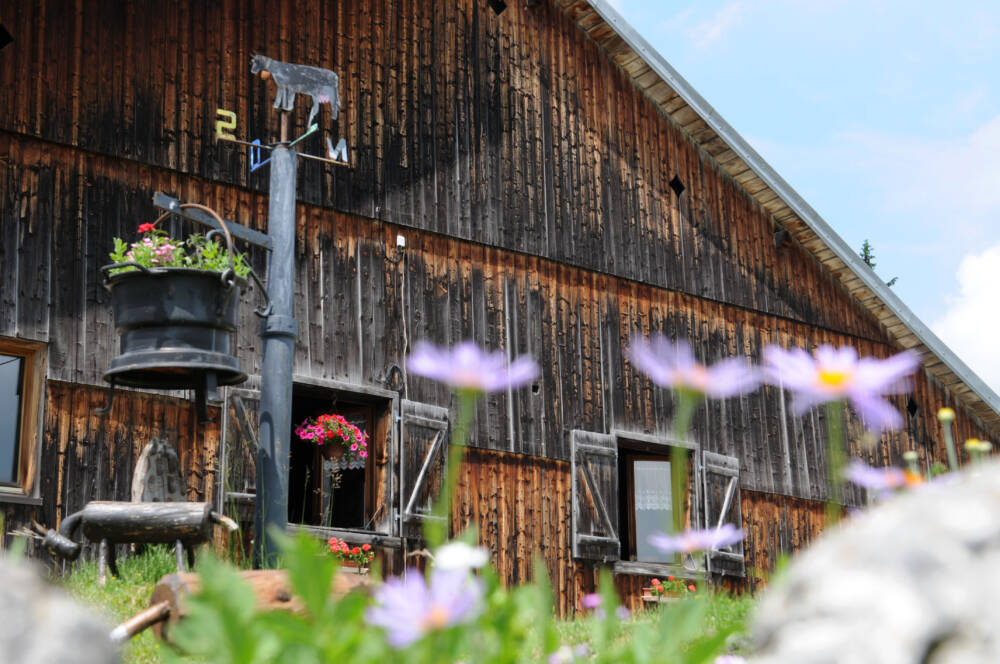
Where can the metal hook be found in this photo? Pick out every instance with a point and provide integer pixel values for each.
(111, 400)
(219, 220)
(266, 311)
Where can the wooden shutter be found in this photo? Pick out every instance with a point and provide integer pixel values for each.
(423, 463)
(238, 458)
(594, 470)
(721, 491)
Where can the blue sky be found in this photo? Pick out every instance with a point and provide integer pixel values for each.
(885, 116)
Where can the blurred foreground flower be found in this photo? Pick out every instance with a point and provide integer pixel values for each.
(697, 540)
(565, 654)
(674, 366)
(730, 659)
(460, 556)
(467, 367)
(410, 608)
(876, 479)
(837, 374)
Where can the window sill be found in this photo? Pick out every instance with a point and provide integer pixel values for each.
(352, 536)
(15, 498)
(655, 569)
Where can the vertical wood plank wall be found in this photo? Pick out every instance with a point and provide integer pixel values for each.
(531, 181)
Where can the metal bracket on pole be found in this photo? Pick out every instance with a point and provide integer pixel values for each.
(249, 235)
(279, 326)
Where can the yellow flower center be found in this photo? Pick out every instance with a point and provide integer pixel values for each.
(835, 379)
(436, 618)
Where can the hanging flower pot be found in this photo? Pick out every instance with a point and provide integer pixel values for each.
(336, 438)
(175, 307)
(332, 452)
(175, 326)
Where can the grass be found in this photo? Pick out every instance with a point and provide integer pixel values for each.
(724, 609)
(125, 596)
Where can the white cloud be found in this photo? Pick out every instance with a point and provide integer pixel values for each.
(971, 323)
(706, 33)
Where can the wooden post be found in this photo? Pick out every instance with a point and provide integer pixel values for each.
(270, 586)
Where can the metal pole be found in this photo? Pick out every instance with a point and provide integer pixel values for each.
(278, 332)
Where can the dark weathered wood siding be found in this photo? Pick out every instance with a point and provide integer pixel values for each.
(513, 131)
(532, 183)
(86, 456)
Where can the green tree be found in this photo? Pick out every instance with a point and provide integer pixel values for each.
(868, 254)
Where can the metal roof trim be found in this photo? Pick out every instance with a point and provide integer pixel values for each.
(793, 200)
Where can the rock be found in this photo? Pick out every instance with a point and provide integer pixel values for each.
(41, 624)
(911, 580)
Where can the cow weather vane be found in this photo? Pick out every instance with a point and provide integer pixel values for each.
(322, 85)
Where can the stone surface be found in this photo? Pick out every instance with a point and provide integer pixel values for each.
(914, 579)
(41, 624)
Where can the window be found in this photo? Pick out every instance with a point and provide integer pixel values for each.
(379, 501)
(22, 374)
(338, 493)
(649, 504)
(624, 489)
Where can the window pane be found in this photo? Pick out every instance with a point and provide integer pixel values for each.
(10, 411)
(654, 507)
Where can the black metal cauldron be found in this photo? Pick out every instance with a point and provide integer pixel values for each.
(176, 327)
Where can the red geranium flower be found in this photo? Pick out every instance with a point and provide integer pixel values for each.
(691, 588)
(146, 228)
(366, 547)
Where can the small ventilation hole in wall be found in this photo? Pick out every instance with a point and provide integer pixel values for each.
(677, 186)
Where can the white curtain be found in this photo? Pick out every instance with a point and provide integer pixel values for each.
(652, 486)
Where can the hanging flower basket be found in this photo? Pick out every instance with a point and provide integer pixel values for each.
(175, 307)
(336, 438)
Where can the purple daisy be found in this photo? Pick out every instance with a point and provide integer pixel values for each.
(409, 608)
(674, 366)
(697, 540)
(836, 374)
(467, 367)
(876, 479)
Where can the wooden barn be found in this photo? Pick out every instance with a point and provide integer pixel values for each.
(529, 175)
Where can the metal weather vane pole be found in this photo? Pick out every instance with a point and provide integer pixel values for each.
(278, 332)
(279, 329)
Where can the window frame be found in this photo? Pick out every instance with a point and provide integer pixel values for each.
(33, 353)
(632, 446)
(382, 522)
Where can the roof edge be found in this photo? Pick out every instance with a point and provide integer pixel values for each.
(793, 200)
